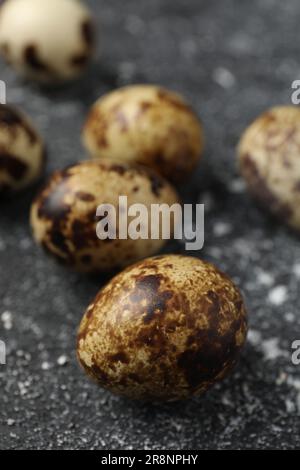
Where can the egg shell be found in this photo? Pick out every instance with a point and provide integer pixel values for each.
(48, 41)
(63, 216)
(165, 329)
(269, 161)
(22, 150)
(146, 124)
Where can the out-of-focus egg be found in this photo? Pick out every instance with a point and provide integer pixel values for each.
(64, 219)
(149, 125)
(48, 41)
(269, 161)
(22, 150)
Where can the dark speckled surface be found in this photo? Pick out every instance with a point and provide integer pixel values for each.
(232, 59)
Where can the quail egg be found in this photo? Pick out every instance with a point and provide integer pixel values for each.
(65, 220)
(149, 125)
(270, 162)
(48, 41)
(166, 328)
(22, 150)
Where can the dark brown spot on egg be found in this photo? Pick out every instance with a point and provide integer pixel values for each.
(31, 57)
(52, 207)
(99, 373)
(97, 125)
(173, 101)
(59, 240)
(143, 108)
(261, 191)
(86, 197)
(83, 233)
(135, 378)
(11, 118)
(79, 60)
(14, 167)
(208, 352)
(119, 357)
(201, 365)
(157, 184)
(120, 169)
(145, 105)
(150, 282)
(151, 300)
(88, 34)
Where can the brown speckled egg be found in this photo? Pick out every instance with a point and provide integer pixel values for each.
(269, 160)
(166, 328)
(149, 125)
(64, 220)
(22, 151)
(47, 41)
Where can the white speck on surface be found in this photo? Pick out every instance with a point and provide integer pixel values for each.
(254, 337)
(282, 378)
(221, 229)
(224, 77)
(215, 252)
(7, 321)
(46, 365)
(25, 243)
(296, 270)
(290, 406)
(243, 247)
(237, 186)
(264, 278)
(293, 382)
(278, 296)
(272, 350)
(23, 388)
(10, 422)
(62, 360)
(269, 347)
(290, 317)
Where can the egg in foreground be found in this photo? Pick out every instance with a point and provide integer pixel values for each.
(146, 124)
(269, 161)
(64, 215)
(22, 151)
(165, 329)
(46, 40)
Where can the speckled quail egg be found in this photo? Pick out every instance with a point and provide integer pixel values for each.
(64, 215)
(270, 162)
(48, 41)
(149, 125)
(22, 150)
(166, 328)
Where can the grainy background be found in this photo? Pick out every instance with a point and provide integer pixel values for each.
(232, 59)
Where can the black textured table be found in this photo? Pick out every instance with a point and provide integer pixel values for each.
(232, 59)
